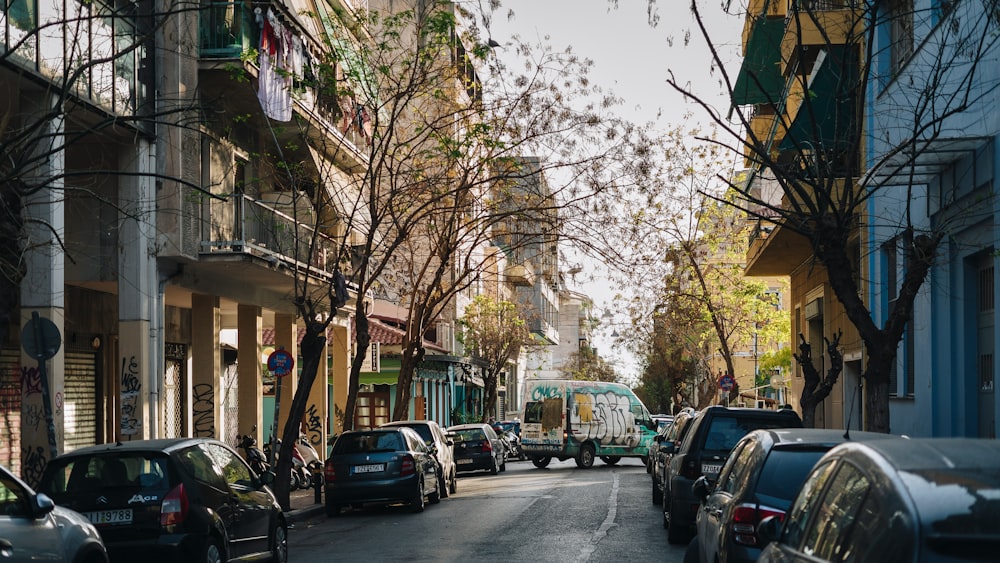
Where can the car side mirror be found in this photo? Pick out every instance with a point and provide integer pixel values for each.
(266, 478)
(42, 505)
(700, 488)
(450, 442)
(769, 529)
(667, 448)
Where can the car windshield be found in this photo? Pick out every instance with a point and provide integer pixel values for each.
(725, 431)
(368, 442)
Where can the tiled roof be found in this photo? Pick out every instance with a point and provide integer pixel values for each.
(379, 332)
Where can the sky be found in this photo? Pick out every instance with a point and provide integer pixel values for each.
(631, 59)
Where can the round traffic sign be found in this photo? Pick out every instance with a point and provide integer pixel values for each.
(726, 382)
(280, 362)
(40, 338)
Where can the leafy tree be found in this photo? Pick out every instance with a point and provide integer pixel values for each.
(496, 332)
(587, 365)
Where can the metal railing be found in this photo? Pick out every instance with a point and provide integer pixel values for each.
(226, 29)
(244, 225)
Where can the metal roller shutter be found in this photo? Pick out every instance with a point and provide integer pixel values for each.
(10, 409)
(80, 404)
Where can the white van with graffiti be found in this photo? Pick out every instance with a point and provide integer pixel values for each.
(583, 420)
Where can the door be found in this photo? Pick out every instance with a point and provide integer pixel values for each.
(249, 532)
(984, 350)
(372, 410)
(23, 538)
(80, 410)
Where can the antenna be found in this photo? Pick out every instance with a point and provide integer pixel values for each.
(850, 411)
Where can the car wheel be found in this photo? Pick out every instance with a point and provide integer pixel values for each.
(541, 462)
(435, 497)
(442, 486)
(644, 459)
(585, 459)
(657, 493)
(332, 508)
(649, 465)
(279, 544)
(418, 500)
(675, 535)
(503, 464)
(666, 511)
(453, 485)
(213, 551)
(494, 466)
(611, 459)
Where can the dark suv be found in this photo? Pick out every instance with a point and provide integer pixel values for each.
(709, 438)
(184, 499)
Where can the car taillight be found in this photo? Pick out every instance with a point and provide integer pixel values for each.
(690, 468)
(409, 467)
(745, 520)
(329, 472)
(174, 507)
(487, 446)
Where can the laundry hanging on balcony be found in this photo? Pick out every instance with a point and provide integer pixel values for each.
(281, 62)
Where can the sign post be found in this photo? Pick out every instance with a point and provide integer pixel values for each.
(40, 339)
(726, 384)
(280, 364)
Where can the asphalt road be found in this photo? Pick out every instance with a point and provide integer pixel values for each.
(560, 513)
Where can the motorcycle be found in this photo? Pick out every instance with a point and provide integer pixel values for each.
(310, 457)
(301, 476)
(515, 445)
(254, 456)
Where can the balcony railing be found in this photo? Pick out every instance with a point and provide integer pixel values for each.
(243, 225)
(226, 29)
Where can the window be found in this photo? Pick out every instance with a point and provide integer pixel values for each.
(13, 497)
(233, 469)
(830, 529)
(737, 466)
(900, 33)
(806, 503)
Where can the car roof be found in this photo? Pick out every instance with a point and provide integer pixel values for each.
(791, 437)
(408, 423)
(467, 426)
(157, 444)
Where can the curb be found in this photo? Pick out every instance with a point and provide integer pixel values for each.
(300, 514)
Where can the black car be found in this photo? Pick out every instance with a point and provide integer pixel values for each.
(664, 444)
(924, 500)
(383, 466)
(171, 500)
(760, 478)
(709, 438)
(478, 448)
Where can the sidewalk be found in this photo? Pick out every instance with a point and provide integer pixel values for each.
(302, 505)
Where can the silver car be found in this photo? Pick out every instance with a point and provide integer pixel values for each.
(33, 528)
(435, 436)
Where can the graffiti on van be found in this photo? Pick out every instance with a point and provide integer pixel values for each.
(604, 416)
(542, 392)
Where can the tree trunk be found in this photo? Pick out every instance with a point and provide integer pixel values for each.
(311, 351)
(354, 380)
(407, 367)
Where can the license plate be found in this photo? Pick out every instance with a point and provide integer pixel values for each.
(370, 468)
(711, 469)
(123, 516)
(461, 461)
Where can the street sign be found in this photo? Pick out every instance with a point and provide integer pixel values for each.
(40, 338)
(726, 382)
(280, 362)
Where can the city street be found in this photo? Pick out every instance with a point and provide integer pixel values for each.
(560, 513)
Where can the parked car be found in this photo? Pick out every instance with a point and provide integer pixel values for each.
(478, 448)
(443, 444)
(709, 438)
(659, 455)
(894, 501)
(663, 422)
(760, 478)
(171, 499)
(381, 466)
(33, 528)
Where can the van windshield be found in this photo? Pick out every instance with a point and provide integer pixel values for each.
(533, 412)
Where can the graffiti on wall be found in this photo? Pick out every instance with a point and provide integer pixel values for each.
(34, 460)
(131, 387)
(314, 426)
(203, 410)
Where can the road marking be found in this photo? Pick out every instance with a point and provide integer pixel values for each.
(609, 521)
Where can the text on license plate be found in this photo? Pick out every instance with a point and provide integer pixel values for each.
(711, 468)
(123, 516)
(370, 468)
(461, 461)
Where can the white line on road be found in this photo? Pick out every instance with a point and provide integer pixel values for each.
(609, 520)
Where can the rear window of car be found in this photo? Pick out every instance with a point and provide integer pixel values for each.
(368, 442)
(148, 471)
(470, 435)
(725, 431)
(783, 473)
(424, 431)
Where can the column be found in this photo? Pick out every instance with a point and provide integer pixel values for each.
(206, 365)
(249, 376)
(286, 335)
(340, 357)
(42, 290)
(137, 289)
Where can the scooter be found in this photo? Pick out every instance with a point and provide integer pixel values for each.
(310, 456)
(299, 477)
(253, 454)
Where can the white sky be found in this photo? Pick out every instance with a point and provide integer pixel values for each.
(631, 59)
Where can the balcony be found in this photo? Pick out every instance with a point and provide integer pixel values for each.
(821, 23)
(249, 229)
(226, 30)
(520, 275)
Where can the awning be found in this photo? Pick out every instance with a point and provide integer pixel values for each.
(827, 118)
(759, 80)
(388, 376)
